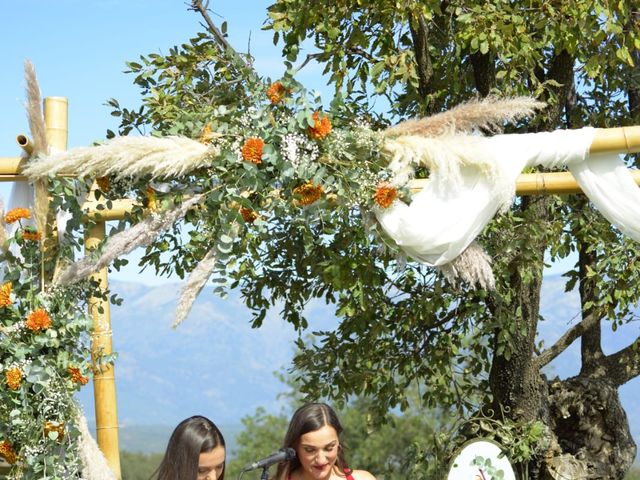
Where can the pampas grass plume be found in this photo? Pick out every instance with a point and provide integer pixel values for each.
(489, 113)
(140, 235)
(34, 110)
(94, 465)
(197, 279)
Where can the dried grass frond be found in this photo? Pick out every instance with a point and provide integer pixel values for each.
(196, 281)
(41, 206)
(3, 230)
(490, 113)
(34, 110)
(121, 157)
(94, 464)
(472, 266)
(140, 235)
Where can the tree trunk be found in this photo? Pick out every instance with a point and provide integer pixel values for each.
(591, 429)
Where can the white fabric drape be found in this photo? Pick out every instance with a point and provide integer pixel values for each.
(458, 201)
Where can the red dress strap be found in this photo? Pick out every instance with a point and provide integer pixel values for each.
(348, 472)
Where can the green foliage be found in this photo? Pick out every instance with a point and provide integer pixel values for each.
(139, 466)
(44, 360)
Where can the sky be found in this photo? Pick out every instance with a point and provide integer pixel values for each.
(79, 50)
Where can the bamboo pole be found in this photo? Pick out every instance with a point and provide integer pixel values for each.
(25, 144)
(104, 386)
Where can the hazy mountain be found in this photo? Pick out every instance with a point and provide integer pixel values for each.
(215, 364)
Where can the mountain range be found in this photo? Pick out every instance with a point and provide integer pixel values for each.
(216, 365)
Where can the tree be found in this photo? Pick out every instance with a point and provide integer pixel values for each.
(406, 325)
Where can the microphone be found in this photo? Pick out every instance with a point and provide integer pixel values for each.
(282, 455)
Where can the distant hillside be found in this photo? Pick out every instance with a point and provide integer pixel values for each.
(214, 364)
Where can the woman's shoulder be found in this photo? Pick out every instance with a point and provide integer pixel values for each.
(362, 475)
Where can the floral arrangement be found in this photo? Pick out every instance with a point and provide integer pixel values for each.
(44, 360)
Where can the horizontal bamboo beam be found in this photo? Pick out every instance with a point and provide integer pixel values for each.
(98, 210)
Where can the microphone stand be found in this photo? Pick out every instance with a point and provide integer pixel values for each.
(265, 473)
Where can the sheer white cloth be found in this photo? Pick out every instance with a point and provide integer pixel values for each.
(456, 204)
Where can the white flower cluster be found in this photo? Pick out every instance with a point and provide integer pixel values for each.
(298, 150)
(33, 451)
(23, 365)
(16, 328)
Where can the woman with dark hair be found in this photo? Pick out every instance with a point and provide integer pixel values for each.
(314, 433)
(196, 451)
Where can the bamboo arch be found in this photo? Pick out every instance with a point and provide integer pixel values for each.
(622, 139)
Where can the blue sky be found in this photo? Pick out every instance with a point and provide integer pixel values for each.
(79, 50)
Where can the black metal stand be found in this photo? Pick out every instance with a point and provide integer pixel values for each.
(265, 473)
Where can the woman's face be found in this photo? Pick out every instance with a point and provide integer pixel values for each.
(211, 464)
(317, 452)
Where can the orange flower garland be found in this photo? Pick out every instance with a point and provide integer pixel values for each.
(7, 451)
(31, 235)
(248, 215)
(321, 127)
(252, 150)
(276, 93)
(38, 320)
(385, 195)
(16, 214)
(308, 193)
(5, 295)
(76, 375)
(14, 378)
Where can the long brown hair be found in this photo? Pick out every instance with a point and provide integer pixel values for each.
(191, 437)
(309, 418)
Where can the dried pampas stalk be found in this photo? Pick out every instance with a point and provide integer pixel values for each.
(3, 230)
(140, 235)
(489, 113)
(94, 465)
(472, 266)
(34, 111)
(197, 279)
(122, 157)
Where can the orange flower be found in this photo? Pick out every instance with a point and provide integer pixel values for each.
(76, 375)
(38, 320)
(16, 214)
(14, 378)
(104, 184)
(5, 295)
(31, 235)
(7, 451)
(308, 193)
(276, 93)
(321, 127)
(152, 203)
(206, 135)
(252, 150)
(248, 215)
(54, 427)
(385, 195)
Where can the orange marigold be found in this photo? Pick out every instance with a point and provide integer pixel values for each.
(152, 202)
(248, 215)
(54, 427)
(76, 375)
(252, 150)
(14, 378)
(321, 127)
(206, 135)
(7, 451)
(308, 193)
(104, 184)
(38, 320)
(5, 295)
(276, 93)
(16, 214)
(31, 235)
(385, 195)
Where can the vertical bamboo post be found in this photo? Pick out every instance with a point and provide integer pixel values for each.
(104, 385)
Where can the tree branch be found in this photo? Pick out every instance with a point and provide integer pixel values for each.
(420, 35)
(624, 365)
(567, 339)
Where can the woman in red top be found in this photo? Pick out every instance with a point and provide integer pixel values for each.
(314, 433)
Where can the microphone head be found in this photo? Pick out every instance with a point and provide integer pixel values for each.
(290, 454)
